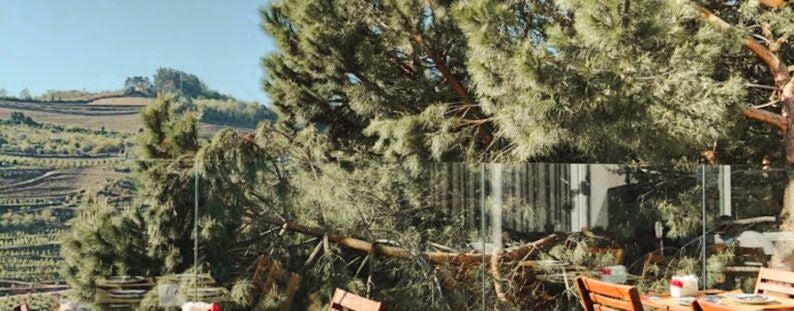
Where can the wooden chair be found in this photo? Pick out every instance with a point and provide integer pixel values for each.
(346, 301)
(703, 305)
(602, 296)
(775, 283)
(22, 307)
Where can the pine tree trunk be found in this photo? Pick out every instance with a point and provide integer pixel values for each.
(783, 249)
(782, 254)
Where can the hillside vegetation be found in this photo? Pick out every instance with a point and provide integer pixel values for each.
(23, 136)
(64, 148)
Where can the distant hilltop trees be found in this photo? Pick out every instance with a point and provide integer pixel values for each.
(140, 85)
(172, 81)
(168, 80)
(165, 80)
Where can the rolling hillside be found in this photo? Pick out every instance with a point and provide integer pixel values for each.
(53, 156)
(122, 114)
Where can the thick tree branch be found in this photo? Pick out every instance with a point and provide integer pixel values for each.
(776, 67)
(773, 3)
(453, 82)
(787, 97)
(783, 81)
(460, 259)
(482, 130)
(765, 116)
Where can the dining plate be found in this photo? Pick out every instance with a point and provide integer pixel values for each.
(753, 299)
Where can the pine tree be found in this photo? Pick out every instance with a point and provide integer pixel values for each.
(606, 81)
(166, 153)
(387, 75)
(763, 29)
(647, 82)
(612, 80)
(102, 243)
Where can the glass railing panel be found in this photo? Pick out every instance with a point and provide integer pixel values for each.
(594, 220)
(458, 235)
(385, 231)
(745, 224)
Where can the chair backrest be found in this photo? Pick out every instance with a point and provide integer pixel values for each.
(703, 305)
(598, 295)
(775, 283)
(343, 300)
(22, 307)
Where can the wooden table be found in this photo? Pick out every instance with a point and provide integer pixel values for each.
(665, 302)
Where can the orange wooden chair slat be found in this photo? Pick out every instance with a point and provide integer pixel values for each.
(775, 283)
(598, 295)
(343, 300)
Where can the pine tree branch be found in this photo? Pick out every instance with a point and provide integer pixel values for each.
(777, 68)
(761, 86)
(441, 65)
(772, 103)
(780, 73)
(463, 259)
(486, 137)
(765, 116)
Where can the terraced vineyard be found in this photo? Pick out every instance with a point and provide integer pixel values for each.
(75, 108)
(37, 199)
(34, 301)
(53, 156)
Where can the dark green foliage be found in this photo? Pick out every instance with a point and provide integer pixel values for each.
(138, 84)
(613, 80)
(102, 243)
(167, 146)
(233, 112)
(568, 81)
(20, 118)
(363, 72)
(167, 80)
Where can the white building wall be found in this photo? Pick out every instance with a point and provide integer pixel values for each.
(590, 184)
(602, 178)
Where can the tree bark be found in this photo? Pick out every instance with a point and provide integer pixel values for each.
(784, 121)
(767, 117)
(773, 3)
(787, 212)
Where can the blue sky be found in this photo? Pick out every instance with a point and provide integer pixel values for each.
(95, 44)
